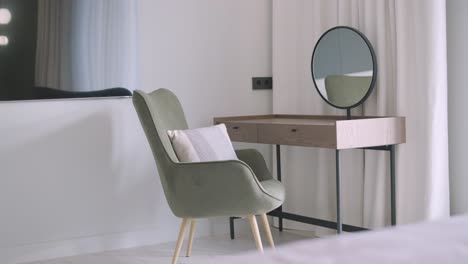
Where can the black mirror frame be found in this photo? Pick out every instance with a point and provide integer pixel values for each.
(374, 67)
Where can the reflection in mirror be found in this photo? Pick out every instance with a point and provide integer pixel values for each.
(346, 90)
(68, 49)
(343, 67)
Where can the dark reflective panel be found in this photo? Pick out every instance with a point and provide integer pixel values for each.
(343, 67)
(53, 49)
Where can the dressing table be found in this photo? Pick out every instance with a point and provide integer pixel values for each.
(332, 132)
(344, 71)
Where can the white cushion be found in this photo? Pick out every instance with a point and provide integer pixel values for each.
(202, 144)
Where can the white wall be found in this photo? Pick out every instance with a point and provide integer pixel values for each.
(206, 51)
(457, 44)
(77, 176)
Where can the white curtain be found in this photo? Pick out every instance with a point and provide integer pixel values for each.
(410, 42)
(87, 45)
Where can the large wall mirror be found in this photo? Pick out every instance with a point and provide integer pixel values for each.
(67, 48)
(344, 67)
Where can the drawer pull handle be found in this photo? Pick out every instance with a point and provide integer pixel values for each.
(293, 130)
(236, 127)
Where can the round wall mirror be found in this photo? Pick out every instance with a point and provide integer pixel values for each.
(344, 67)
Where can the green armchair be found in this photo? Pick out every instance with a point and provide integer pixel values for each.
(196, 190)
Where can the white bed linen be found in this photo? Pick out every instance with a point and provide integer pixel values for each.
(426, 243)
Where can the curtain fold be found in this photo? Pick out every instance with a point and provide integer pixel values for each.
(86, 45)
(410, 44)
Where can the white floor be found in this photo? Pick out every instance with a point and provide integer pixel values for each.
(204, 250)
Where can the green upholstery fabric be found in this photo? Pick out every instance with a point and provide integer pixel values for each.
(256, 162)
(204, 189)
(344, 91)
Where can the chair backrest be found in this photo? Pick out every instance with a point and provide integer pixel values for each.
(343, 90)
(158, 112)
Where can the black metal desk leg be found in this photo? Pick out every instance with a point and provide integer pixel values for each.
(392, 184)
(231, 227)
(278, 173)
(339, 226)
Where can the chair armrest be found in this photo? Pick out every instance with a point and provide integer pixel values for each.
(218, 188)
(255, 160)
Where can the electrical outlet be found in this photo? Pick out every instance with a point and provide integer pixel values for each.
(262, 83)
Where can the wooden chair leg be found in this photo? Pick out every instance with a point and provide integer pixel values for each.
(190, 240)
(266, 225)
(255, 232)
(180, 240)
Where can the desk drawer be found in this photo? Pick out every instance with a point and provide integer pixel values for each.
(297, 135)
(242, 132)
